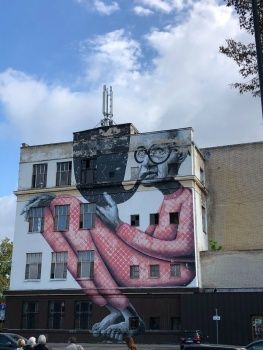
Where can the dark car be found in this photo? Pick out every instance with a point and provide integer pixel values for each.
(212, 347)
(255, 345)
(191, 337)
(8, 341)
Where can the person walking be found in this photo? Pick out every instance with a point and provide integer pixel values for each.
(130, 343)
(31, 343)
(73, 344)
(41, 343)
(20, 344)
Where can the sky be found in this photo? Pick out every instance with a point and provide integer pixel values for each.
(160, 56)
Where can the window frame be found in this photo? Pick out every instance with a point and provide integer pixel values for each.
(158, 322)
(33, 267)
(204, 218)
(89, 262)
(83, 213)
(82, 318)
(58, 216)
(55, 265)
(134, 271)
(135, 220)
(36, 220)
(175, 272)
(29, 317)
(39, 175)
(64, 173)
(174, 218)
(154, 271)
(154, 219)
(56, 315)
(87, 171)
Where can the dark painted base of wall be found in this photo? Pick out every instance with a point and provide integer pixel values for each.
(195, 310)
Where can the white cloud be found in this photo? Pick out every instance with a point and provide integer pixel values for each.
(112, 57)
(142, 11)
(100, 6)
(165, 6)
(104, 9)
(187, 85)
(7, 216)
(42, 113)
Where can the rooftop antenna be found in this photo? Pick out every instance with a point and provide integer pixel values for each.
(107, 106)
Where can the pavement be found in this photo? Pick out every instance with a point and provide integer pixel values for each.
(115, 346)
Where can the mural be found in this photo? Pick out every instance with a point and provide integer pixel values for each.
(101, 165)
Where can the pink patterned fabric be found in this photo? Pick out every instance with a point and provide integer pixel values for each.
(116, 251)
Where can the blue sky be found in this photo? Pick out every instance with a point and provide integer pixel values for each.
(160, 56)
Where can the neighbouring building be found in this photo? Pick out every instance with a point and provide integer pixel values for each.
(112, 237)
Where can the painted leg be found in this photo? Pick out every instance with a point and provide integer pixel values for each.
(114, 317)
(120, 330)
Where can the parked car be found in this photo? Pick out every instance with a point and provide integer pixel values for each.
(255, 345)
(8, 341)
(192, 337)
(212, 347)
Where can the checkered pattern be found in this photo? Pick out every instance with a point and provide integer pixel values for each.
(116, 251)
(130, 246)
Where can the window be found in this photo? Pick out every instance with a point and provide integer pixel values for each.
(154, 219)
(61, 217)
(63, 176)
(87, 171)
(154, 323)
(202, 176)
(175, 270)
(56, 312)
(83, 313)
(39, 177)
(172, 169)
(36, 219)
(204, 219)
(135, 220)
(154, 271)
(134, 172)
(133, 323)
(87, 215)
(59, 265)
(85, 264)
(175, 323)
(29, 315)
(111, 174)
(174, 218)
(134, 271)
(33, 266)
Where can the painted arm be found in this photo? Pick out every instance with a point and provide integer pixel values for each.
(158, 245)
(183, 243)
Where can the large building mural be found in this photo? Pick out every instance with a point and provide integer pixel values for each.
(131, 226)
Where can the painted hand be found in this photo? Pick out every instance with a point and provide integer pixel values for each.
(109, 214)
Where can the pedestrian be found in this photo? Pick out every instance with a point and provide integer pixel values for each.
(73, 344)
(130, 343)
(31, 343)
(41, 343)
(20, 344)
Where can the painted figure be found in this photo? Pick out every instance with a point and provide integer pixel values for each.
(118, 245)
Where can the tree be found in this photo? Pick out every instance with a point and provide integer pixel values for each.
(245, 55)
(6, 247)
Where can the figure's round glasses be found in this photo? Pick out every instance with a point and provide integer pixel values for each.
(158, 154)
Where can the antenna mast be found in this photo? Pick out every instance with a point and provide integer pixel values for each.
(107, 106)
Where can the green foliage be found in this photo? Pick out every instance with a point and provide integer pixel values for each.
(214, 246)
(245, 54)
(6, 247)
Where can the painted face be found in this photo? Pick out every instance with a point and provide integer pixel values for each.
(157, 162)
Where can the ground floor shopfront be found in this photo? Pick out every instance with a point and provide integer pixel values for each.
(166, 313)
